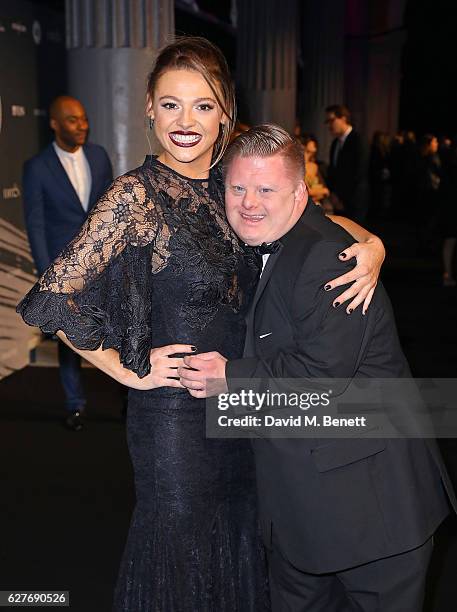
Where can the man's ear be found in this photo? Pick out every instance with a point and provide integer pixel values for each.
(53, 124)
(301, 192)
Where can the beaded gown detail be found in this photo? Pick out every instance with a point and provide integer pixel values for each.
(156, 263)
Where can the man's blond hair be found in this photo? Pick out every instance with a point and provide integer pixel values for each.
(266, 141)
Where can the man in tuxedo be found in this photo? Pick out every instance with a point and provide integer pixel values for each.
(348, 168)
(61, 184)
(347, 523)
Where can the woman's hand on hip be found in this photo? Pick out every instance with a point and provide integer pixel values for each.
(165, 361)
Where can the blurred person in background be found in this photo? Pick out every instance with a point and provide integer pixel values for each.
(428, 202)
(411, 164)
(379, 172)
(404, 160)
(397, 173)
(449, 213)
(348, 167)
(61, 185)
(314, 173)
(298, 130)
(444, 148)
(410, 139)
(430, 165)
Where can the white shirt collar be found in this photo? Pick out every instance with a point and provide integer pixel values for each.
(67, 154)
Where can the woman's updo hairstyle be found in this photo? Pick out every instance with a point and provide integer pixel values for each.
(198, 54)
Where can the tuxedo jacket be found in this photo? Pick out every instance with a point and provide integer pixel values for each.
(349, 177)
(53, 210)
(334, 503)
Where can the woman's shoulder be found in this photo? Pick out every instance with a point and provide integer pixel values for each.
(128, 187)
(136, 176)
(143, 183)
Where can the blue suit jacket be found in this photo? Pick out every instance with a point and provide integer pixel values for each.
(53, 211)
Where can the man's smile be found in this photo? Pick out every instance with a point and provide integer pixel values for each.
(252, 218)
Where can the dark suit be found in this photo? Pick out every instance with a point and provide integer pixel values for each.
(333, 504)
(53, 211)
(348, 178)
(53, 217)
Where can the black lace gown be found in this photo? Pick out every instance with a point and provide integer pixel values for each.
(155, 264)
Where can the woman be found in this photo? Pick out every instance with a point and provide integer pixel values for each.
(430, 166)
(313, 177)
(155, 264)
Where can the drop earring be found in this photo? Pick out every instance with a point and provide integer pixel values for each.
(151, 123)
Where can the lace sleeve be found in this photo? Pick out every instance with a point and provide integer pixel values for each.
(98, 290)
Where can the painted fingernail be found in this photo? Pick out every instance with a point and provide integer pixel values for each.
(336, 304)
(364, 312)
(349, 310)
(343, 255)
(193, 348)
(327, 287)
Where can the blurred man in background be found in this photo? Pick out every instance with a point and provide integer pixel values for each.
(61, 184)
(348, 167)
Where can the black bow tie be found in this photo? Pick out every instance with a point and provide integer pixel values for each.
(268, 249)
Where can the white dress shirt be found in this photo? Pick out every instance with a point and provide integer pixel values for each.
(78, 170)
(264, 262)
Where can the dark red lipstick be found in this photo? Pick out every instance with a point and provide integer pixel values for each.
(184, 139)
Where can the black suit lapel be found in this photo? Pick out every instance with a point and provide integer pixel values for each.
(91, 160)
(58, 171)
(266, 275)
(249, 345)
(347, 144)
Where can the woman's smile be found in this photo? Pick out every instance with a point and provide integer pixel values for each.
(185, 139)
